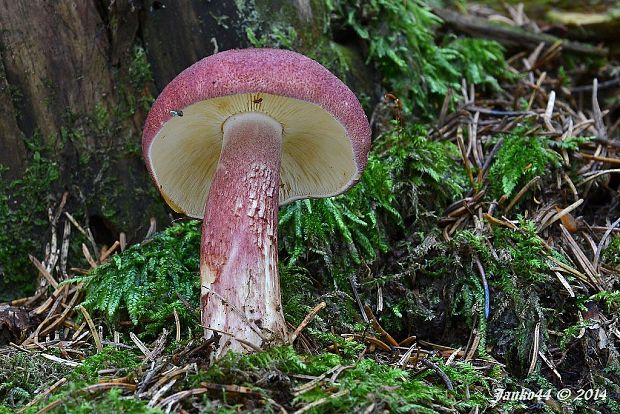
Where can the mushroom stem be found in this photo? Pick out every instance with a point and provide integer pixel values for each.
(240, 294)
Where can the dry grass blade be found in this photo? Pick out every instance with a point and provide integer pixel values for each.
(596, 174)
(49, 407)
(321, 401)
(601, 244)
(404, 360)
(572, 271)
(499, 222)
(535, 347)
(66, 362)
(160, 392)
(370, 340)
(560, 214)
(158, 347)
(86, 233)
(93, 330)
(181, 395)
(43, 271)
(550, 365)
(106, 253)
(549, 112)
(581, 258)
(104, 386)
(64, 249)
(65, 313)
(465, 158)
(565, 283)
(152, 229)
(43, 394)
(430, 364)
(173, 373)
(309, 318)
(607, 160)
(378, 327)
(88, 256)
(316, 381)
(177, 326)
(139, 344)
(453, 356)
(596, 112)
(473, 345)
(522, 192)
(358, 300)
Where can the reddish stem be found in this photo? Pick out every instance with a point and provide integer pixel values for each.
(239, 251)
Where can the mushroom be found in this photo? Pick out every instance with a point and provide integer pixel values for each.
(229, 140)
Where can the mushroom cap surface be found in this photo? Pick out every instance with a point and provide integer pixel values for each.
(325, 132)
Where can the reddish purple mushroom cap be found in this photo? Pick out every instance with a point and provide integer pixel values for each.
(325, 133)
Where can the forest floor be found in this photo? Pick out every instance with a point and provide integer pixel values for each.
(475, 268)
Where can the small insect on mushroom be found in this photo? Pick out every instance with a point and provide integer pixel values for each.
(260, 128)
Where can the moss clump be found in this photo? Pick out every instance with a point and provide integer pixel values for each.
(425, 172)
(343, 231)
(354, 228)
(414, 64)
(23, 375)
(516, 270)
(109, 402)
(520, 159)
(75, 400)
(143, 283)
(362, 383)
(610, 299)
(611, 254)
(108, 358)
(524, 253)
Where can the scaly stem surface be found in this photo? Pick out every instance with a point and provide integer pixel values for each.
(240, 294)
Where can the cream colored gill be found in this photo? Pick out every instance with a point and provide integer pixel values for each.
(317, 157)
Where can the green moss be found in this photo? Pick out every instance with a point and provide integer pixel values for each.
(573, 331)
(140, 72)
(109, 402)
(75, 400)
(524, 252)
(354, 228)
(23, 219)
(520, 159)
(611, 254)
(610, 299)
(23, 375)
(143, 282)
(297, 293)
(344, 231)
(415, 65)
(140, 76)
(108, 358)
(361, 383)
(425, 173)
